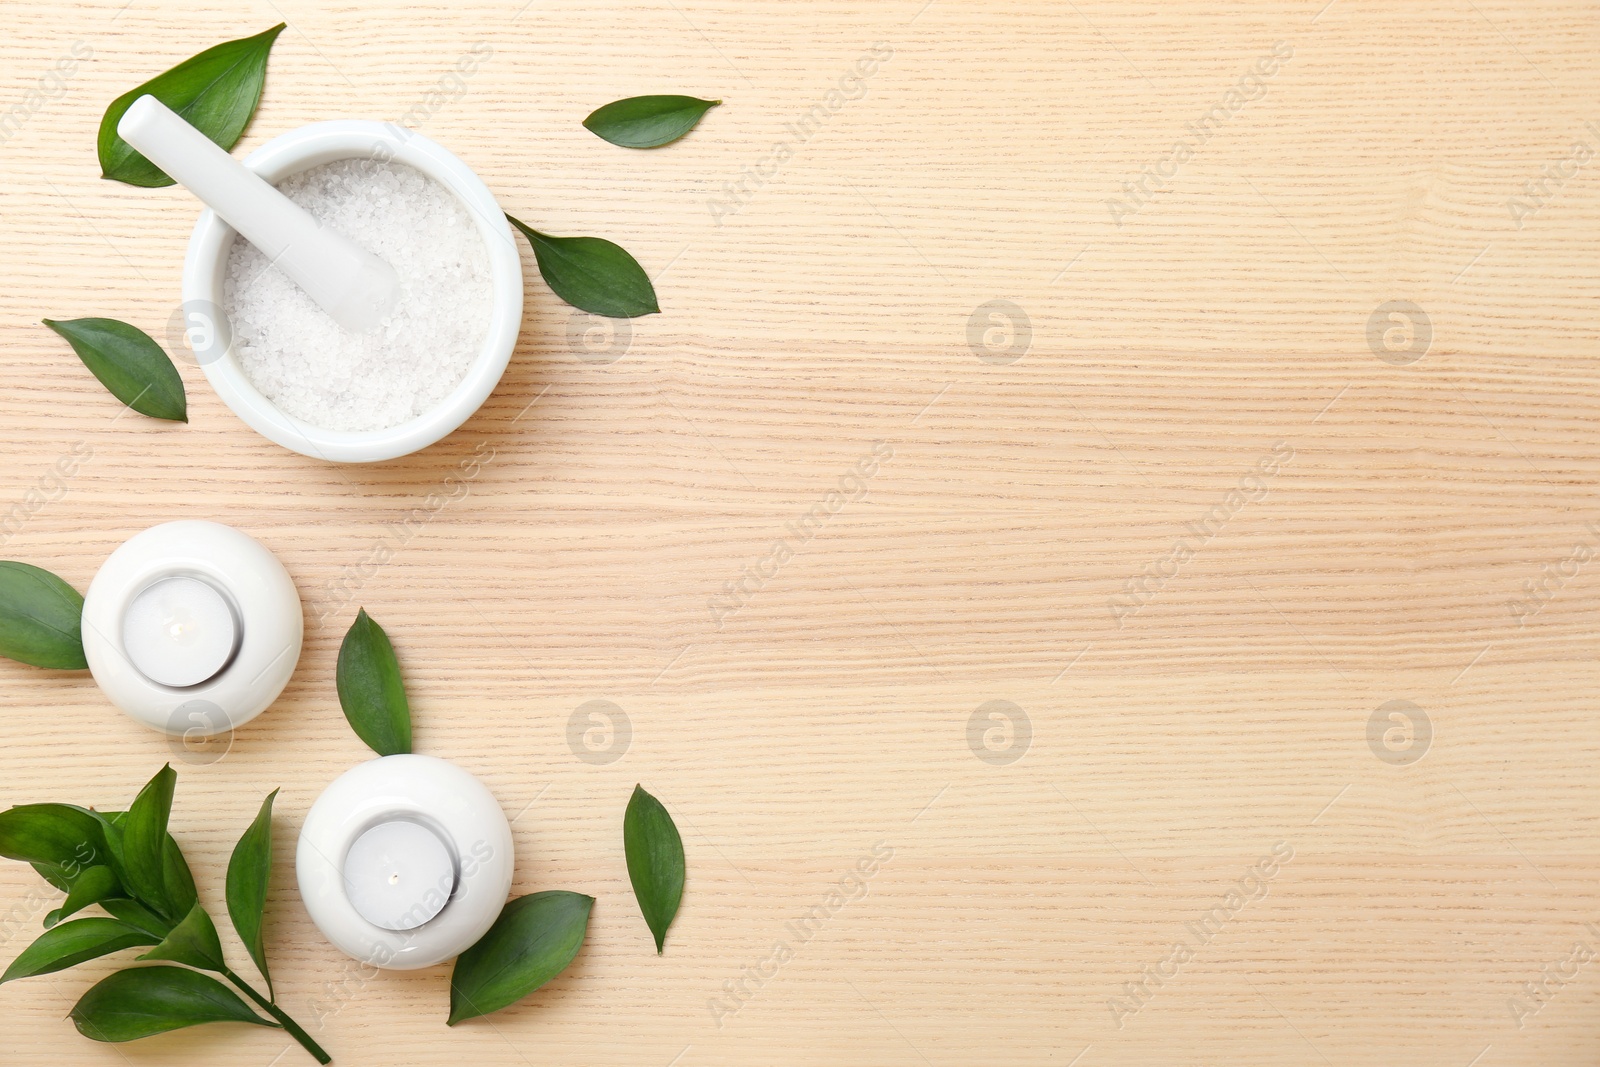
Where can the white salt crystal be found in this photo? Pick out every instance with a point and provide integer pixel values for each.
(312, 368)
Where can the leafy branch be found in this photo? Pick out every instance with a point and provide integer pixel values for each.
(130, 866)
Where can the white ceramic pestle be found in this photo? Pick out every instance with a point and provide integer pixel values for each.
(351, 284)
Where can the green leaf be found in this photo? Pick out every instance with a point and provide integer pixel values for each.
(92, 886)
(647, 121)
(73, 942)
(135, 914)
(592, 274)
(144, 841)
(176, 877)
(41, 618)
(249, 870)
(111, 830)
(59, 835)
(129, 363)
(193, 942)
(56, 876)
(370, 690)
(532, 941)
(655, 861)
(142, 1001)
(216, 91)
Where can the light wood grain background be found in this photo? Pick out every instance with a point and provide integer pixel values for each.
(831, 714)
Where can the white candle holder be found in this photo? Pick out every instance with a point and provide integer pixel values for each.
(359, 846)
(230, 649)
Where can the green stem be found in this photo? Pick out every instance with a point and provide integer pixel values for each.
(279, 1014)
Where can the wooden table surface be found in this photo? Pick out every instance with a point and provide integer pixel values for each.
(1106, 590)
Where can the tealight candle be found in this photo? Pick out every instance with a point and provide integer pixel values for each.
(192, 628)
(399, 875)
(404, 861)
(179, 632)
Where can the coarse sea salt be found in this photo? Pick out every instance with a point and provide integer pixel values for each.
(312, 368)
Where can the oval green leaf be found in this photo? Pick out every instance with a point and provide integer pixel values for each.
(111, 831)
(144, 844)
(135, 914)
(370, 690)
(60, 836)
(91, 887)
(175, 875)
(592, 274)
(60, 877)
(56, 876)
(129, 363)
(216, 91)
(71, 943)
(249, 870)
(41, 618)
(193, 942)
(655, 861)
(143, 1001)
(532, 941)
(647, 121)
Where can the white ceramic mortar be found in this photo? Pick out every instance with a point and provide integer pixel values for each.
(206, 264)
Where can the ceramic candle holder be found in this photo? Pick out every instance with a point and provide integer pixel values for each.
(192, 628)
(206, 263)
(404, 861)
